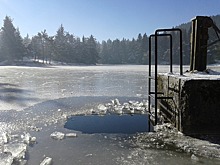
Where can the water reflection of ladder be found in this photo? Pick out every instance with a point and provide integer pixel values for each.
(159, 95)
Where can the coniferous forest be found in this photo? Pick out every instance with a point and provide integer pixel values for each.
(66, 48)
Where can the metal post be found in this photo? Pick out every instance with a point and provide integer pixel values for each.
(155, 106)
(149, 83)
(199, 40)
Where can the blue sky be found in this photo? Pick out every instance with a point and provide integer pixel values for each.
(103, 19)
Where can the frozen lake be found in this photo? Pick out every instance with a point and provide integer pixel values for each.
(43, 100)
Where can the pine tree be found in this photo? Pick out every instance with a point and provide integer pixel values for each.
(144, 47)
(93, 56)
(61, 47)
(12, 47)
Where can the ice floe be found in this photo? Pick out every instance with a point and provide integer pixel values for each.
(116, 107)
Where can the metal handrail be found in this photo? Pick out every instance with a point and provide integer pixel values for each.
(157, 34)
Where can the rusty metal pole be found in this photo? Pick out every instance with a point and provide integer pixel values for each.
(199, 40)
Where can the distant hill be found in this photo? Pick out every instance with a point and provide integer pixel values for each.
(187, 25)
(213, 51)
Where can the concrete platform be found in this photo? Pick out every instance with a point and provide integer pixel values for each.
(195, 104)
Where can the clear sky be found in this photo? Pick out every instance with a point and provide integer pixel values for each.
(103, 19)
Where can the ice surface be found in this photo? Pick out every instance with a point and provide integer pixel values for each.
(47, 95)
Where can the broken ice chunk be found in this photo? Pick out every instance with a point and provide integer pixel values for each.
(6, 159)
(102, 107)
(194, 158)
(145, 103)
(26, 138)
(139, 110)
(57, 135)
(33, 140)
(126, 106)
(17, 150)
(46, 161)
(115, 102)
(118, 109)
(134, 103)
(92, 111)
(5, 137)
(129, 111)
(71, 135)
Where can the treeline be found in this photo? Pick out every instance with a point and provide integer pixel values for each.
(63, 47)
(66, 48)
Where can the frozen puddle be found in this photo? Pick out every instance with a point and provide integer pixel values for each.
(121, 124)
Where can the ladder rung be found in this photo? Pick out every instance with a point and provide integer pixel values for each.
(152, 96)
(161, 97)
(164, 97)
(167, 109)
(157, 93)
(151, 77)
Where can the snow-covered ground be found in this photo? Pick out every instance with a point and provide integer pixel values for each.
(36, 102)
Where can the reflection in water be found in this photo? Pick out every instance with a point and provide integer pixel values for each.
(125, 124)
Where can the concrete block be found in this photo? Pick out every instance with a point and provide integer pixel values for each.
(195, 107)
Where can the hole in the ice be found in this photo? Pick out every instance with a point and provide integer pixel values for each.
(125, 124)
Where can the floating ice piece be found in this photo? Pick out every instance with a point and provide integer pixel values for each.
(57, 135)
(92, 111)
(102, 107)
(46, 161)
(128, 111)
(17, 150)
(139, 110)
(126, 106)
(118, 109)
(194, 158)
(26, 138)
(5, 137)
(133, 102)
(132, 110)
(33, 140)
(71, 135)
(145, 103)
(64, 116)
(6, 159)
(115, 102)
(88, 155)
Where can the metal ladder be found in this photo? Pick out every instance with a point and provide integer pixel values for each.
(156, 95)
